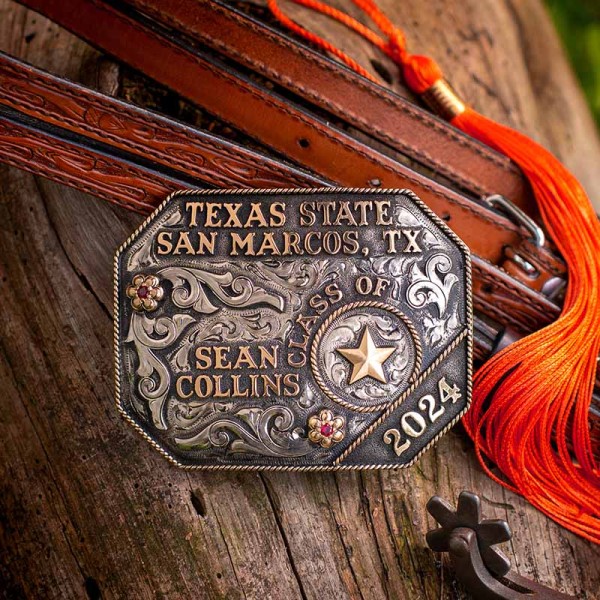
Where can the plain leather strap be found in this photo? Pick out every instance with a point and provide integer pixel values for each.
(377, 111)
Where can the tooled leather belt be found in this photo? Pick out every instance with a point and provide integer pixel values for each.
(134, 158)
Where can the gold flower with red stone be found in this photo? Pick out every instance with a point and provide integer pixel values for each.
(145, 292)
(326, 428)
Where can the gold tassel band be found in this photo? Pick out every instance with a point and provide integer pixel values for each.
(443, 100)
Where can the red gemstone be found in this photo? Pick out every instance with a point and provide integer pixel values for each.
(326, 429)
(142, 292)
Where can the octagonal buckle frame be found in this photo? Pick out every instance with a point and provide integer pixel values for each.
(293, 329)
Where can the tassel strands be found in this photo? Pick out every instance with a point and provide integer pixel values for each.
(529, 415)
(535, 395)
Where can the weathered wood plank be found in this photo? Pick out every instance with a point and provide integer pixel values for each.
(87, 509)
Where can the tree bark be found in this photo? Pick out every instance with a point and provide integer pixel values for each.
(88, 509)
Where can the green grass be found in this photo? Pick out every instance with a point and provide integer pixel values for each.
(578, 24)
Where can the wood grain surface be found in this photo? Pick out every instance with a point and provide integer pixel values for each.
(88, 510)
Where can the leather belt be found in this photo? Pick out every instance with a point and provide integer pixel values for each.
(27, 144)
(290, 129)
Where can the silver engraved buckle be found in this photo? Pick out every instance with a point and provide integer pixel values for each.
(293, 329)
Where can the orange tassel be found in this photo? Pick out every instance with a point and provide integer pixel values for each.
(533, 397)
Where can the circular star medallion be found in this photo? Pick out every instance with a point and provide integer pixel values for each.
(364, 355)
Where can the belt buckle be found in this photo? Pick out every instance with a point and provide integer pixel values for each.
(293, 329)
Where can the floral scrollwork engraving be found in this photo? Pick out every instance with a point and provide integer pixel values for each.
(268, 432)
(189, 291)
(433, 286)
(234, 291)
(149, 335)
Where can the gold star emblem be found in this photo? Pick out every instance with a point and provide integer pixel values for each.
(367, 360)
